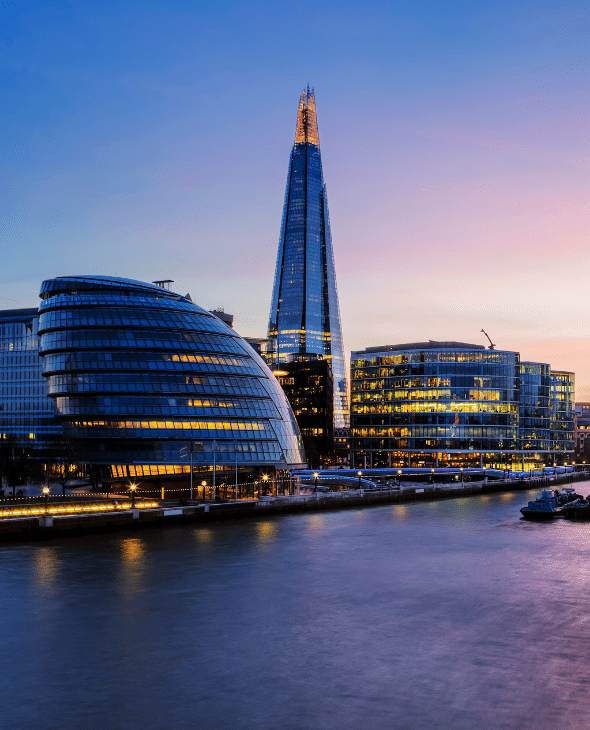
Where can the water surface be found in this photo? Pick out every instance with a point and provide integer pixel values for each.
(452, 614)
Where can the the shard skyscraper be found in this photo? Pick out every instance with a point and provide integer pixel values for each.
(305, 317)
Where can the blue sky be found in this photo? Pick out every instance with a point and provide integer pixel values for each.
(152, 141)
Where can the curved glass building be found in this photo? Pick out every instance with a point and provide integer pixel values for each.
(142, 379)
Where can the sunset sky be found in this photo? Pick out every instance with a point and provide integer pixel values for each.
(151, 140)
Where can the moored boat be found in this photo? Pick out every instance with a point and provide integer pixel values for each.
(552, 504)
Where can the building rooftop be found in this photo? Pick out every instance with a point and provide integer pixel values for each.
(430, 345)
(18, 313)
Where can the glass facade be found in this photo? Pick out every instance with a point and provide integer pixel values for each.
(535, 411)
(308, 387)
(26, 412)
(137, 373)
(305, 316)
(449, 403)
(562, 408)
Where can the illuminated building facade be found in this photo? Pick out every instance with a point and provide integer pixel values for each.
(305, 317)
(27, 415)
(138, 374)
(562, 407)
(456, 404)
(582, 431)
(308, 387)
(535, 412)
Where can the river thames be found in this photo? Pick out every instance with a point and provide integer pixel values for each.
(450, 614)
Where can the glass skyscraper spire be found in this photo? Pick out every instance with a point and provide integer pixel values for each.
(304, 316)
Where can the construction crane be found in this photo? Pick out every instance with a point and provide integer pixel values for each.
(491, 347)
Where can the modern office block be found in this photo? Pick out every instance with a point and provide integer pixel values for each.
(457, 404)
(140, 374)
(305, 317)
(535, 411)
(27, 414)
(308, 387)
(562, 412)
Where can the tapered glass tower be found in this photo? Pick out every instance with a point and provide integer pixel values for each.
(304, 316)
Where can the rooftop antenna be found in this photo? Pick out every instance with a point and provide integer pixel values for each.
(491, 347)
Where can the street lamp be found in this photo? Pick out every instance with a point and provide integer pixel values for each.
(360, 473)
(46, 495)
(203, 484)
(315, 481)
(132, 488)
(264, 481)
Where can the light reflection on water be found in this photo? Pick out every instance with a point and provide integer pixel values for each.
(454, 614)
(45, 566)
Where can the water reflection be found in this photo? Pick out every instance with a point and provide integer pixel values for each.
(132, 551)
(203, 535)
(132, 565)
(46, 566)
(266, 530)
(315, 523)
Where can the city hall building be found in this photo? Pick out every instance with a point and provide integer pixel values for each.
(436, 404)
(141, 377)
(139, 382)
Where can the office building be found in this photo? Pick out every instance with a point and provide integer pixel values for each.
(27, 414)
(305, 318)
(308, 387)
(438, 404)
(582, 431)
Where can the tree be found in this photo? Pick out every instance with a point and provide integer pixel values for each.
(62, 464)
(15, 463)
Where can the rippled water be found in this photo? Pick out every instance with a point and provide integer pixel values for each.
(452, 614)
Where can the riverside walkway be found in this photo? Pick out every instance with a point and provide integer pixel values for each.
(32, 519)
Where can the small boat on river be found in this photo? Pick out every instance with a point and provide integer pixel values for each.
(552, 504)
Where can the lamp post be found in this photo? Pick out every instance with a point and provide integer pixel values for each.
(461, 476)
(203, 484)
(264, 481)
(360, 473)
(315, 481)
(132, 488)
(46, 495)
(214, 453)
(236, 455)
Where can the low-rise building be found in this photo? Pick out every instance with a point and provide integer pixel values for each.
(458, 404)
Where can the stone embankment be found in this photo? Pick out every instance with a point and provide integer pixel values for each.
(28, 522)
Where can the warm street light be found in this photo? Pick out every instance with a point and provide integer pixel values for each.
(360, 473)
(132, 488)
(315, 481)
(264, 481)
(46, 495)
(203, 484)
